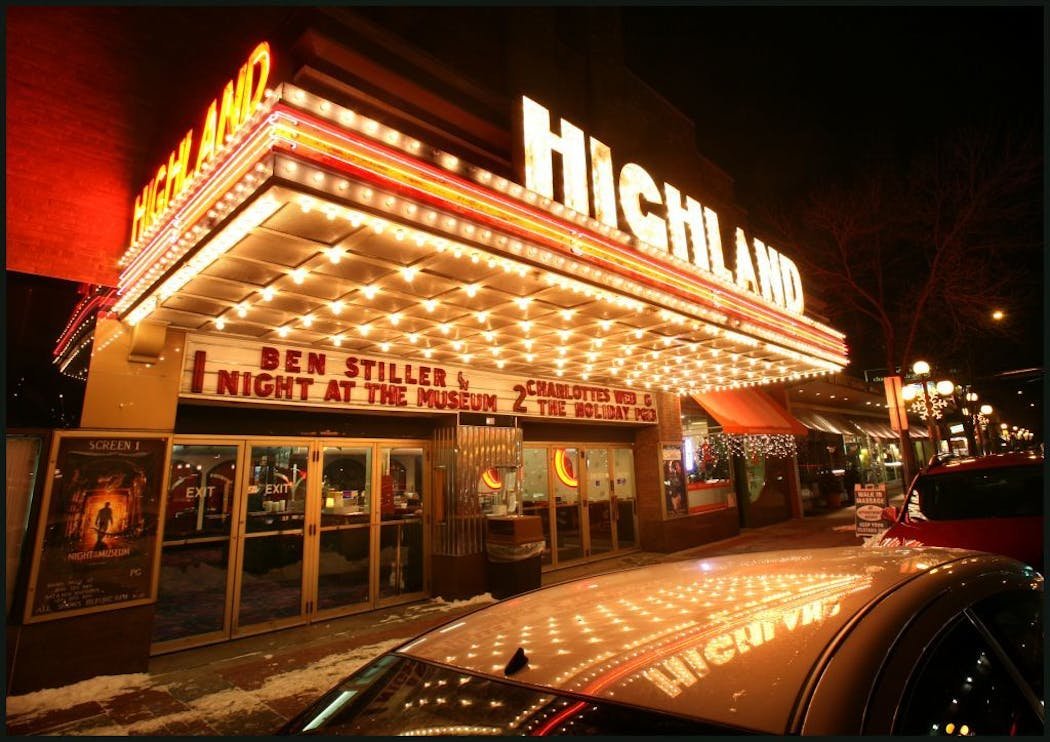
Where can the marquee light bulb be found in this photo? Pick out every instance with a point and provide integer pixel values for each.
(430, 305)
(605, 324)
(364, 329)
(412, 337)
(335, 254)
(471, 290)
(523, 302)
(338, 340)
(409, 273)
(299, 275)
(370, 291)
(384, 347)
(526, 325)
(307, 320)
(444, 328)
(220, 323)
(482, 317)
(268, 293)
(282, 331)
(242, 310)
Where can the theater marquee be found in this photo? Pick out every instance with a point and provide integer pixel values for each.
(232, 370)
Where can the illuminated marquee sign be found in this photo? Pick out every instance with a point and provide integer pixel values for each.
(232, 370)
(687, 229)
(225, 115)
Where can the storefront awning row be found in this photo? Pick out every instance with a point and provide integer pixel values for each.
(830, 422)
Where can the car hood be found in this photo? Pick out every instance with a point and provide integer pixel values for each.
(728, 639)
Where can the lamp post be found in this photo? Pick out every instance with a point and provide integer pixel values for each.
(986, 411)
(930, 409)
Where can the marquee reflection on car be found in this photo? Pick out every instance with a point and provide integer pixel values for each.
(820, 641)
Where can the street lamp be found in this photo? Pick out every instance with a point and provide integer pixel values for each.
(930, 406)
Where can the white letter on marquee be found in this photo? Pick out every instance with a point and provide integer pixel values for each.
(769, 277)
(714, 245)
(745, 272)
(540, 145)
(635, 183)
(603, 184)
(793, 298)
(677, 219)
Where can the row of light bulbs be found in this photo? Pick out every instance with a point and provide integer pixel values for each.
(336, 308)
(233, 198)
(230, 200)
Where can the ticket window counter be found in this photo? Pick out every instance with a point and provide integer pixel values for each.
(585, 497)
(262, 534)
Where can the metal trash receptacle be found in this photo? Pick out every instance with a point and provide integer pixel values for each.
(513, 547)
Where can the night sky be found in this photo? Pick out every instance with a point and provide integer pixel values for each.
(785, 99)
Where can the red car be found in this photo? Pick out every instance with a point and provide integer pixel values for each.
(988, 503)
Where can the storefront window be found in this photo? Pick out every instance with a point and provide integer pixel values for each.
(706, 462)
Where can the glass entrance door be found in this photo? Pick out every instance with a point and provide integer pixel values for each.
(345, 544)
(401, 551)
(196, 582)
(601, 506)
(568, 510)
(624, 498)
(271, 580)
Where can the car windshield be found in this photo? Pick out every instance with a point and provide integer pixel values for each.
(981, 493)
(399, 696)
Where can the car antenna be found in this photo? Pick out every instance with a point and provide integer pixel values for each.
(517, 662)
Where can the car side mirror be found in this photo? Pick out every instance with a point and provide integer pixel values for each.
(890, 513)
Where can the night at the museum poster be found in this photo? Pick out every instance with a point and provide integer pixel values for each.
(100, 532)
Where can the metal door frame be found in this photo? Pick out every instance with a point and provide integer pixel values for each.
(310, 533)
(582, 502)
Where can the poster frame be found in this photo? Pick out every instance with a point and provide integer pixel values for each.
(45, 507)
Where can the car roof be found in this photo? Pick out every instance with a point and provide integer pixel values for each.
(992, 461)
(729, 640)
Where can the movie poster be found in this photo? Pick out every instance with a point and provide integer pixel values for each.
(100, 534)
(674, 481)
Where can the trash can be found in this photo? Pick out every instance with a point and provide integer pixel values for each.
(513, 547)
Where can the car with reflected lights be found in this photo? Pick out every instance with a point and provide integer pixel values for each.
(986, 503)
(819, 641)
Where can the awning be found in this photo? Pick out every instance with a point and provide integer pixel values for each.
(749, 411)
(830, 422)
(826, 422)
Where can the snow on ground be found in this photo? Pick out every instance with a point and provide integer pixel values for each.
(303, 682)
(98, 689)
(436, 605)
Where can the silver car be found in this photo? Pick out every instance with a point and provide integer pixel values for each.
(818, 641)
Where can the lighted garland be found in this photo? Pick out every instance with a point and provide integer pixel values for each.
(779, 445)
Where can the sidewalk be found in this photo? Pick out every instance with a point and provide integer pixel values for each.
(251, 686)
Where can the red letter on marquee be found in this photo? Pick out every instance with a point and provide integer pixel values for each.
(271, 359)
